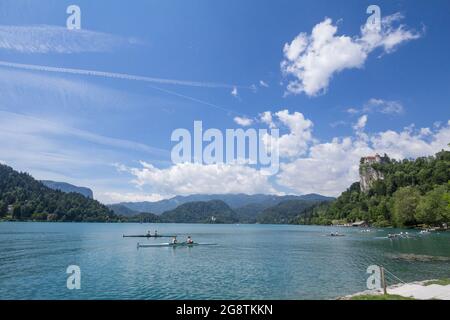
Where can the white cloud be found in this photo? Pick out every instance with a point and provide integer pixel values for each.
(338, 123)
(329, 169)
(383, 106)
(411, 144)
(425, 132)
(266, 117)
(335, 164)
(294, 143)
(389, 37)
(243, 121)
(56, 39)
(352, 110)
(379, 106)
(193, 178)
(263, 84)
(437, 124)
(361, 124)
(116, 197)
(235, 92)
(307, 166)
(314, 59)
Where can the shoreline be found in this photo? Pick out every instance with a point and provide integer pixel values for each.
(268, 224)
(417, 290)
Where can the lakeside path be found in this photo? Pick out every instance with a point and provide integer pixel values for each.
(419, 290)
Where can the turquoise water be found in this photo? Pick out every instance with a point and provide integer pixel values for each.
(249, 262)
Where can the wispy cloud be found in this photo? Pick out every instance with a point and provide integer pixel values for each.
(338, 123)
(51, 149)
(55, 39)
(361, 123)
(264, 84)
(234, 92)
(22, 90)
(114, 75)
(379, 106)
(383, 106)
(14, 123)
(122, 76)
(243, 121)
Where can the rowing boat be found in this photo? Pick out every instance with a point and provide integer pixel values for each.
(147, 236)
(336, 235)
(181, 244)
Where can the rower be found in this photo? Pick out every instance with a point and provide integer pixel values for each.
(156, 233)
(174, 240)
(189, 240)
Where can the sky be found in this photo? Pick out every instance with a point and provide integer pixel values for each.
(96, 107)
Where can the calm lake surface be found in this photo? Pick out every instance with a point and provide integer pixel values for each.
(249, 262)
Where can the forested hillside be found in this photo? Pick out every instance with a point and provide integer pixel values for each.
(412, 192)
(285, 212)
(214, 211)
(24, 198)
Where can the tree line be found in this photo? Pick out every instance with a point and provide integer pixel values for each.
(413, 192)
(24, 198)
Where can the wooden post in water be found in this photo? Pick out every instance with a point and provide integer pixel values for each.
(383, 281)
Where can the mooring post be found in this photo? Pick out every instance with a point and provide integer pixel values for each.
(383, 281)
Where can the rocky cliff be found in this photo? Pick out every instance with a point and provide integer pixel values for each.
(368, 174)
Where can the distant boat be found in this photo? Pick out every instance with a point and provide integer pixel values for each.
(147, 236)
(336, 234)
(174, 245)
(398, 235)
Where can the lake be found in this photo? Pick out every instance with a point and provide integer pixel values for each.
(249, 262)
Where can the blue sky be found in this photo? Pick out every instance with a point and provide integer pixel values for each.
(345, 94)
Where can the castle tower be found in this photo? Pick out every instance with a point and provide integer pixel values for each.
(367, 174)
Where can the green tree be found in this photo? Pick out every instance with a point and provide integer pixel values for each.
(406, 200)
(16, 213)
(3, 209)
(433, 208)
(32, 200)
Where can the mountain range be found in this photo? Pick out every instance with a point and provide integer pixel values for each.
(241, 203)
(217, 211)
(68, 188)
(24, 198)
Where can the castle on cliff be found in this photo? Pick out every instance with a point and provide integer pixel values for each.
(367, 174)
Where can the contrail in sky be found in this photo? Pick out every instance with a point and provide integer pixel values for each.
(114, 75)
(124, 76)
